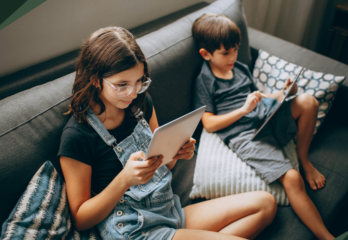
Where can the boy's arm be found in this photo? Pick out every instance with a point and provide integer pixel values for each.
(277, 95)
(213, 123)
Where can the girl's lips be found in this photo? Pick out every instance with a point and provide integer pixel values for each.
(127, 102)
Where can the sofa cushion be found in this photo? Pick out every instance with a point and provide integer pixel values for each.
(271, 72)
(328, 153)
(220, 172)
(286, 224)
(308, 59)
(42, 212)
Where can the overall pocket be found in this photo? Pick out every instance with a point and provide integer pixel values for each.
(126, 219)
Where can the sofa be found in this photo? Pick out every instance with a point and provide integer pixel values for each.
(33, 101)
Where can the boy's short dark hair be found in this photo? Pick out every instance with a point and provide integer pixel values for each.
(211, 30)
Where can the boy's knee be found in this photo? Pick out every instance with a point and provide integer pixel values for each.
(293, 180)
(308, 102)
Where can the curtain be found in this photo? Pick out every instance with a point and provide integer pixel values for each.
(296, 21)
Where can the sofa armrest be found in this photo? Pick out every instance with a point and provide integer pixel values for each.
(309, 59)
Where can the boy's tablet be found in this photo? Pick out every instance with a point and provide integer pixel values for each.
(169, 138)
(280, 104)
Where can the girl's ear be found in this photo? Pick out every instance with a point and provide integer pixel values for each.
(95, 81)
(205, 54)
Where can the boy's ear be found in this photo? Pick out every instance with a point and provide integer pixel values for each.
(205, 54)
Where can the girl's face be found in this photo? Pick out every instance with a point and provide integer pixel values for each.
(129, 77)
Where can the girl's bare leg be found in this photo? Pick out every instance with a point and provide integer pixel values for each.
(192, 234)
(303, 205)
(305, 108)
(243, 215)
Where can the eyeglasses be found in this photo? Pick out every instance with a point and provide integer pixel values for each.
(125, 91)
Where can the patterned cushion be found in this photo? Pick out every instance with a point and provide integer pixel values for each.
(42, 212)
(220, 172)
(271, 72)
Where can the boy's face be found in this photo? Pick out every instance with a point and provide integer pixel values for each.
(221, 58)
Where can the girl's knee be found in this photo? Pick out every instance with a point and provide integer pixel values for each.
(267, 203)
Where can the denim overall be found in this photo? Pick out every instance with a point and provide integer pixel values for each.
(146, 211)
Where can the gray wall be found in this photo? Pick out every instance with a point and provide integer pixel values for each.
(59, 26)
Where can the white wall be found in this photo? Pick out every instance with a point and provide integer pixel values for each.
(59, 26)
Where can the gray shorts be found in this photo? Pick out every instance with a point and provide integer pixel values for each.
(264, 153)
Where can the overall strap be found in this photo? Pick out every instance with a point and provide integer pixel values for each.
(100, 129)
(137, 113)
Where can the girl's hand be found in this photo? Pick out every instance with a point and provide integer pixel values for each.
(288, 84)
(140, 172)
(252, 100)
(186, 151)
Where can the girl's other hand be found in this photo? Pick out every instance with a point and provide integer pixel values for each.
(140, 172)
(186, 151)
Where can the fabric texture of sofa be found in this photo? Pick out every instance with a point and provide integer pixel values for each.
(32, 120)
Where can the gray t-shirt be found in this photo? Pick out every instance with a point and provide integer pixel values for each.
(222, 96)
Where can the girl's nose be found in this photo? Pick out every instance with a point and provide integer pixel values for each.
(134, 94)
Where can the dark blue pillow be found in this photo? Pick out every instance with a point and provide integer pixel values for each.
(42, 212)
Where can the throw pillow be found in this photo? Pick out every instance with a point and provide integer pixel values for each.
(42, 212)
(220, 172)
(271, 72)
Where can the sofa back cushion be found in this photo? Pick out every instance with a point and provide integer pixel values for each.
(32, 120)
(175, 62)
(30, 129)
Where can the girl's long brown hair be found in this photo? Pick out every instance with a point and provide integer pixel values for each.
(106, 52)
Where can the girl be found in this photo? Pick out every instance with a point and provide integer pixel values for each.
(102, 143)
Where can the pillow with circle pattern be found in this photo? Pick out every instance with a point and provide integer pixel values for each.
(270, 74)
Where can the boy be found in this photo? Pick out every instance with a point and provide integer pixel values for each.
(236, 109)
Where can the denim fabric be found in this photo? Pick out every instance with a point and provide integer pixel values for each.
(147, 211)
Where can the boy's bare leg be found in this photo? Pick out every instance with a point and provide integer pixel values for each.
(242, 215)
(305, 108)
(303, 205)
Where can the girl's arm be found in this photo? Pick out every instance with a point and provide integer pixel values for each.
(153, 123)
(88, 212)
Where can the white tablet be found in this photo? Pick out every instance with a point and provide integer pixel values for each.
(169, 138)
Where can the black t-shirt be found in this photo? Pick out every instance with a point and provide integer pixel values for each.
(81, 142)
(222, 96)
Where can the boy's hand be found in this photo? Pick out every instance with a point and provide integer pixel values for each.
(288, 84)
(252, 100)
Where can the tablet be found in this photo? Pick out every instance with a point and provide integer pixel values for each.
(169, 138)
(280, 104)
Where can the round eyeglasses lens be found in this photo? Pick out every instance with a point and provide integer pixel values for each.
(124, 91)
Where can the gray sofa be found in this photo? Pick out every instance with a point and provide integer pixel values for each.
(32, 120)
